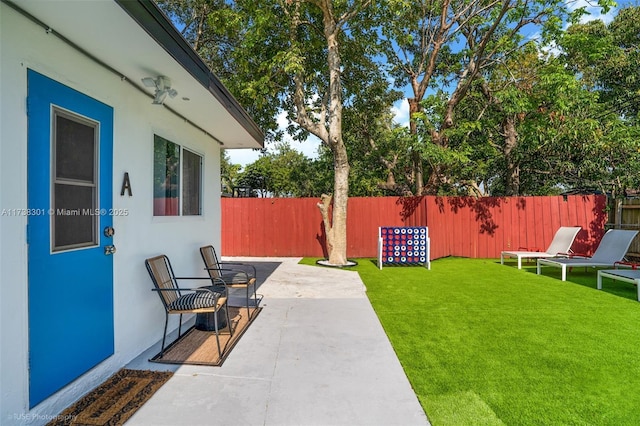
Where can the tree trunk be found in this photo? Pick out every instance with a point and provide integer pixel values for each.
(338, 256)
(201, 18)
(336, 228)
(335, 220)
(512, 178)
(416, 159)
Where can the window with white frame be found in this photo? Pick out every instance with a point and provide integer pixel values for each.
(177, 180)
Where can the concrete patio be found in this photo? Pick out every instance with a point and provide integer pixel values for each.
(316, 355)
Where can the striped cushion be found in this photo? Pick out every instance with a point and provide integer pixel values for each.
(197, 300)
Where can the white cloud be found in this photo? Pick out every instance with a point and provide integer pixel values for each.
(400, 111)
(282, 120)
(595, 12)
(309, 147)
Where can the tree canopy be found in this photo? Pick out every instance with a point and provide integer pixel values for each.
(506, 97)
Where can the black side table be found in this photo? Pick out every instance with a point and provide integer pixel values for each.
(206, 321)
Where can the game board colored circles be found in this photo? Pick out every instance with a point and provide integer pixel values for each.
(403, 244)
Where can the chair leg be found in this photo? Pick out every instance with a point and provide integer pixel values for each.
(226, 309)
(255, 297)
(164, 336)
(180, 327)
(215, 325)
(248, 312)
(255, 292)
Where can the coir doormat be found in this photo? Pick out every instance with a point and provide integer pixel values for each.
(198, 347)
(114, 401)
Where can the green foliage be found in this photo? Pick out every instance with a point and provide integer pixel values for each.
(608, 56)
(498, 115)
(229, 173)
(444, 48)
(284, 173)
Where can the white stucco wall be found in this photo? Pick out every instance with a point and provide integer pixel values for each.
(139, 316)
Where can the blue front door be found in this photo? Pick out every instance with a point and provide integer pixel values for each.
(69, 199)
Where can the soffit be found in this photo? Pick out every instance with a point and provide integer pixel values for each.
(111, 34)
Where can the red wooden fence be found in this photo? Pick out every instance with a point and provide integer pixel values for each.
(458, 226)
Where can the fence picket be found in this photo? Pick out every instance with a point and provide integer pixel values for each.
(458, 226)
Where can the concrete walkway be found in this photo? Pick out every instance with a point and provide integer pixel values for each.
(316, 355)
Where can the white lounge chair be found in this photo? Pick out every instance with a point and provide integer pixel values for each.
(627, 275)
(612, 248)
(560, 244)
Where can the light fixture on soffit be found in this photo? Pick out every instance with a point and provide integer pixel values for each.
(162, 84)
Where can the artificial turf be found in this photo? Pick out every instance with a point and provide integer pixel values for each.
(486, 344)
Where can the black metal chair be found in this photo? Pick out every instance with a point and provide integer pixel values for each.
(183, 300)
(242, 275)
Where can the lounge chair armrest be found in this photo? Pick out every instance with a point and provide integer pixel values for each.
(529, 249)
(572, 255)
(633, 265)
(564, 255)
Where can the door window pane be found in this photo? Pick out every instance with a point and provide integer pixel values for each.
(75, 150)
(75, 184)
(74, 215)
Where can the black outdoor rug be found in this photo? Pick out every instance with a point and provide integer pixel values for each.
(114, 401)
(198, 347)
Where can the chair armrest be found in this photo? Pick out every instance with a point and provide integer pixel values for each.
(241, 264)
(200, 278)
(237, 271)
(176, 290)
(192, 278)
(529, 249)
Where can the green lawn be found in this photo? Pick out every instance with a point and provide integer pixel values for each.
(488, 344)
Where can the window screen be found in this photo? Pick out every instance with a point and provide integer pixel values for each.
(75, 184)
(191, 178)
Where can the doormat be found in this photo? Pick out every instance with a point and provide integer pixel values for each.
(198, 347)
(114, 401)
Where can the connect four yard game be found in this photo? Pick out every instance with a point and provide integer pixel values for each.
(404, 245)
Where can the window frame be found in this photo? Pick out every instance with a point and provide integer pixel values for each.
(180, 178)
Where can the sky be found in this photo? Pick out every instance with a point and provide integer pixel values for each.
(401, 108)
(310, 147)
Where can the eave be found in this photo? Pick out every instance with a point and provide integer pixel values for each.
(135, 39)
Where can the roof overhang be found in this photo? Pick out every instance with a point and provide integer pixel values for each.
(135, 39)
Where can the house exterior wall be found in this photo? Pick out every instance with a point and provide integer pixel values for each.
(138, 313)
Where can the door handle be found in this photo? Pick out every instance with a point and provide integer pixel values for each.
(109, 231)
(109, 250)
